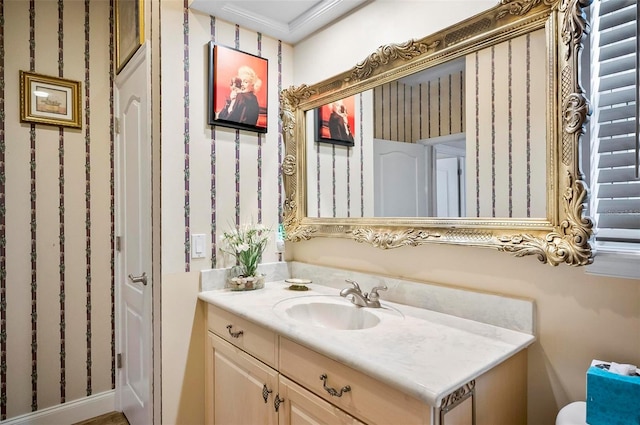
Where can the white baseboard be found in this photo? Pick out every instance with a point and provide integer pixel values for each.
(70, 412)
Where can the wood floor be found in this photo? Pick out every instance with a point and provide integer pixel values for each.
(113, 418)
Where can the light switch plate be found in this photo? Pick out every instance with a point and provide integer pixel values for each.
(198, 245)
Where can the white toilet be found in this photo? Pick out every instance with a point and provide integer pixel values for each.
(573, 414)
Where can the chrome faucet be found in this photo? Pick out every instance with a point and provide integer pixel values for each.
(363, 299)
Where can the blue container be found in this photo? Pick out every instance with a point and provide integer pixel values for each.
(612, 399)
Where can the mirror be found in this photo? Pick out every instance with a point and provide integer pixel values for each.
(467, 136)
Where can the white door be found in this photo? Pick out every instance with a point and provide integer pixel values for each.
(448, 187)
(133, 279)
(400, 180)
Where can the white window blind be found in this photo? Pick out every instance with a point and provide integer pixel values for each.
(615, 202)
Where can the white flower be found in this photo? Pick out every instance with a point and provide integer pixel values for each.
(246, 243)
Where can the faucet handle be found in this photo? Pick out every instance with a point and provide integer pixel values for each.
(354, 283)
(373, 296)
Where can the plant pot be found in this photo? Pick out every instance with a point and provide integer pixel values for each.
(245, 283)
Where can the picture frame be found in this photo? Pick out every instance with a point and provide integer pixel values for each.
(50, 100)
(238, 88)
(129, 30)
(335, 122)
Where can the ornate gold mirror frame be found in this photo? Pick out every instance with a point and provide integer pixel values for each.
(563, 237)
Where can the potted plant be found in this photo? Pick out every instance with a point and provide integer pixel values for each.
(246, 243)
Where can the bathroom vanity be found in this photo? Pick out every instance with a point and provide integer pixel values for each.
(277, 356)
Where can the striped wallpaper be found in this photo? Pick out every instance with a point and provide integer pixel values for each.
(56, 185)
(56, 269)
(338, 175)
(228, 177)
(407, 113)
(507, 150)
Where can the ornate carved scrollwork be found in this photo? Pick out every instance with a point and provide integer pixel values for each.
(385, 54)
(392, 239)
(289, 100)
(576, 109)
(570, 244)
(518, 7)
(452, 400)
(575, 25)
(560, 237)
(296, 232)
(289, 165)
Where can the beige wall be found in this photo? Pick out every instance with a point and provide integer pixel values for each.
(183, 333)
(579, 317)
(214, 201)
(55, 230)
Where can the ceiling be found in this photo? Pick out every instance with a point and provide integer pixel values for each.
(286, 20)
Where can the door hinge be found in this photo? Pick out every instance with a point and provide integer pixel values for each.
(119, 360)
(117, 125)
(118, 242)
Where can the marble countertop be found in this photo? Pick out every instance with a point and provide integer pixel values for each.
(423, 353)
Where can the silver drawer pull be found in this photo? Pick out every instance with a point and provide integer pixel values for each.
(138, 279)
(234, 334)
(332, 391)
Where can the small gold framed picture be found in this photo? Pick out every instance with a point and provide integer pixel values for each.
(129, 30)
(49, 100)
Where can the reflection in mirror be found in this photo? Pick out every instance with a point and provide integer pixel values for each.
(496, 142)
(491, 105)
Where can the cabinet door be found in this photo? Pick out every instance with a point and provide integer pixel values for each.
(301, 407)
(241, 389)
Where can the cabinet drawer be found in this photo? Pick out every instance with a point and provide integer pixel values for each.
(301, 407)
(368, 399)
(254, 339)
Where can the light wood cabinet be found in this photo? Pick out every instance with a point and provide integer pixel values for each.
(366, 398)
(242, 387)
(254, 376)
(302, 407)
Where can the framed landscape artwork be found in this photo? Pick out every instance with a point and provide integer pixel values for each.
(49, 100)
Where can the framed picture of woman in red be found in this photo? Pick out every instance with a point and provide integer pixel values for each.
(238, 87)
(335, 122)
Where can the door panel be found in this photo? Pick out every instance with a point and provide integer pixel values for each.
(400, 181)
(134, 283)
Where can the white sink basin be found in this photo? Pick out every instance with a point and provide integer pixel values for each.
(332, 312)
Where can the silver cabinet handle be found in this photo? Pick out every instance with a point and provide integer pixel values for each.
(265, 393)
(332, 391)
(234, 334)
(137, 279)
(277, 402)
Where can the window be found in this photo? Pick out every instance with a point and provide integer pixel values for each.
(614, 158)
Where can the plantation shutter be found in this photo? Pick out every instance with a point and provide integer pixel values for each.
(616, 186)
